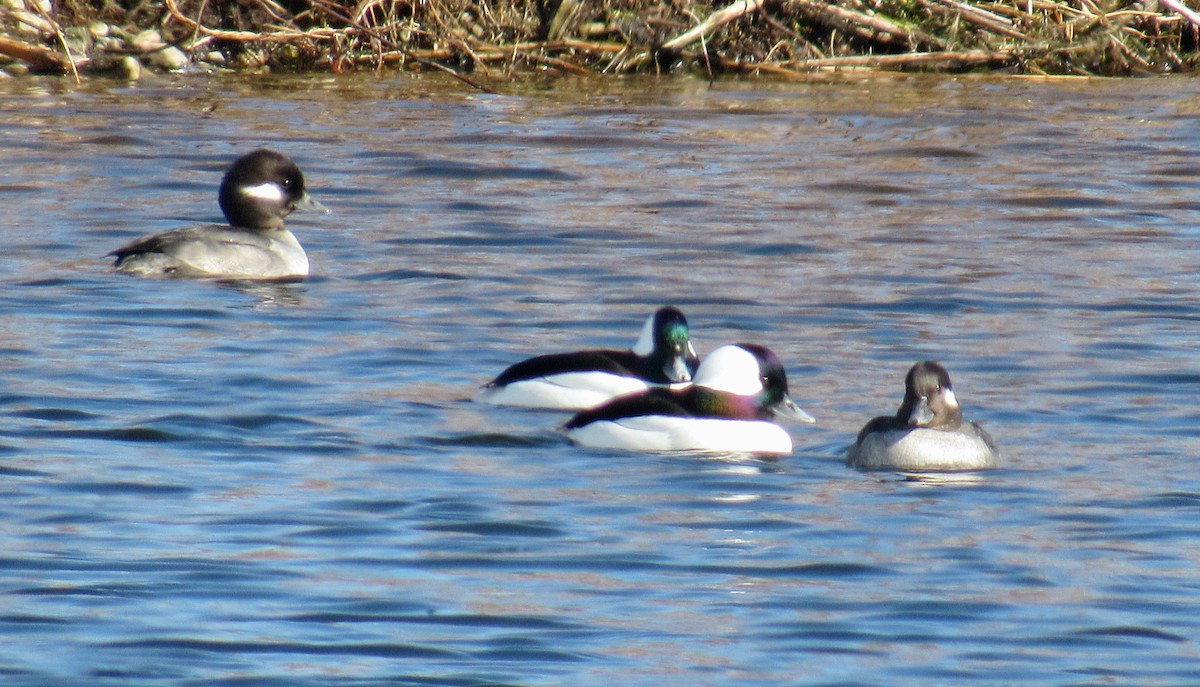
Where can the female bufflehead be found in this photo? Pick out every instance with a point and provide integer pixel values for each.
(258, 191)
(927, 433)
(663, 354)
(737, 389)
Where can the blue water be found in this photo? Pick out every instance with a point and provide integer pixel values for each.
(211, 484)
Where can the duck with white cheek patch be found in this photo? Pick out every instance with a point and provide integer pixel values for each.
(928, 432)
(729, 407)
(258, 191)
(663, 355)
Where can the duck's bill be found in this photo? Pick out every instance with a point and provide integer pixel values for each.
(790, 410)
(921, 414)
(676, 370)
(306, 202)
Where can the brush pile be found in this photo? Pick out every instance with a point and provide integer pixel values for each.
(502, 39)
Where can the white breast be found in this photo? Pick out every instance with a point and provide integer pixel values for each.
(922, 450)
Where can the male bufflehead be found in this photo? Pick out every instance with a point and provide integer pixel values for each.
(663, 354)
(927, 433)
(728, 407)
(258, 191)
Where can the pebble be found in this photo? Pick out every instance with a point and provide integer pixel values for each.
(147, 41)
(29, 24)
(169, 58)
(78, 40)
(131, 68)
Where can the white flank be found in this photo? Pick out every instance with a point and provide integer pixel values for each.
(667, 433)
(568, 391)
(243, 253)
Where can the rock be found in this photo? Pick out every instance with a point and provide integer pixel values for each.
(78, 41)
(110, 44)
(131, 68)
(147, 41)
(169, 58)
(30, 24)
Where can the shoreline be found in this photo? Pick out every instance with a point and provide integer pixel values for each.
(776, 39)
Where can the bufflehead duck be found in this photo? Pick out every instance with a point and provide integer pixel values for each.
(927, 433)
(728, 407)
(663, 354)
(258, 191)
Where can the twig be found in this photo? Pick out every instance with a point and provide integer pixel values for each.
(1182, 10)
(320, 34)
(907, 59)
(766, 68)
(1130, 55)
(273, 8)
(564, 44)
(67, 49)
(196, 29)
(1028, 9)
(279, 36)
(336, 13)
(974, 15)
(484, 54)
(716, 19)
(62, 40)
(38, 58)
(703, 49)
(555, 62)
(394, 56)
(808, 45)
(564, 19)
(867, 26)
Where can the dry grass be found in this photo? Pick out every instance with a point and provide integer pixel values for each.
(771, 37)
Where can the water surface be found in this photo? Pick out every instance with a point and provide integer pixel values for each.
(290, 485)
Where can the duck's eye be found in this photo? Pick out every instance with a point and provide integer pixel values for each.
(287, 183)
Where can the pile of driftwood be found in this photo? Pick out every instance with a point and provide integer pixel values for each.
(775, 37)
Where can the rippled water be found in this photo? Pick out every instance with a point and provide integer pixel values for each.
(289, 484)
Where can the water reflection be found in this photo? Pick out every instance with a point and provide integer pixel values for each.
(266, 294)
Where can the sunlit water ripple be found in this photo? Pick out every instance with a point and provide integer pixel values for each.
(290, 484)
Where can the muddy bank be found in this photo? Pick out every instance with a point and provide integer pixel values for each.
(479, 41)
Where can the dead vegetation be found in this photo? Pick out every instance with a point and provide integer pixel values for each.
(496, 40)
